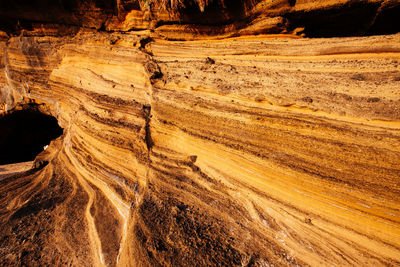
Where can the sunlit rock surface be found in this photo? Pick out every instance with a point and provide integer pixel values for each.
(204, 144)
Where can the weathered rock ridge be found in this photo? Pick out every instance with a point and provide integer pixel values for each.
(195, 18)
(189, 140)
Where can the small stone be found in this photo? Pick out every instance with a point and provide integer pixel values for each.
(193, 158)
(210, 61)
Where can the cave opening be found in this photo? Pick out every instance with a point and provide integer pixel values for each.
(25, 133)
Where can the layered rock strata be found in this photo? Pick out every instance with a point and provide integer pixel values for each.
(250, 150)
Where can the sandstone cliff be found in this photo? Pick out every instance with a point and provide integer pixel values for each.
(205, 133)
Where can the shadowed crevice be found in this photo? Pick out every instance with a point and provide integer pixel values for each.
(147, 117)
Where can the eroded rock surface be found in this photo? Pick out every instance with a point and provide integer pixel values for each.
(192, 145)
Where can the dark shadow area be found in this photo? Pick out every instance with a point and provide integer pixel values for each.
(24, 133)
(352, 19)
(387, 22)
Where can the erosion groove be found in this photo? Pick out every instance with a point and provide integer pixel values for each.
(195, 134)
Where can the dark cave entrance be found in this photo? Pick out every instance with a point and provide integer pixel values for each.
(24, 133)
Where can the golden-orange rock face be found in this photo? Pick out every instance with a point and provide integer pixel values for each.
(190, 145)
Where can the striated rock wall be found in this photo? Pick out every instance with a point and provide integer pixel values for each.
(238, 151)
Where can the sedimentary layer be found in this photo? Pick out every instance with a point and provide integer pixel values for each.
(273, 149)
(198, 149)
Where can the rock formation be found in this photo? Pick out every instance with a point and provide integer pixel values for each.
(204, 133)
